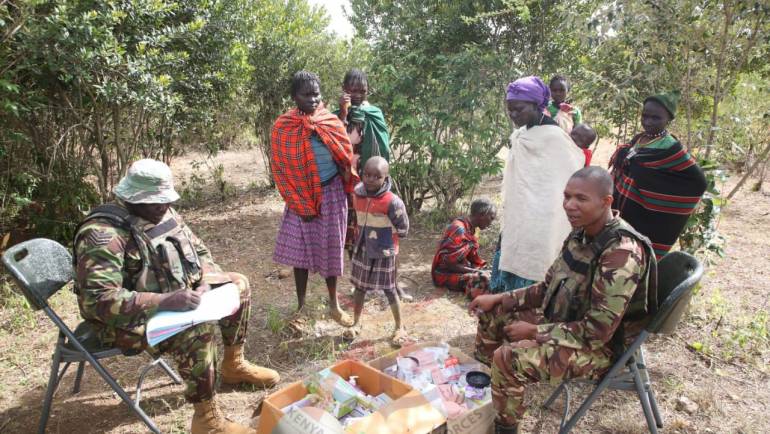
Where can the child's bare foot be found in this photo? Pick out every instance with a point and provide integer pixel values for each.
(341, 317)
(349, 335)
(400, 338)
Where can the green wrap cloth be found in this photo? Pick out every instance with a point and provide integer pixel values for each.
(375, 130)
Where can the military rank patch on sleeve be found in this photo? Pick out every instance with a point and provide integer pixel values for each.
(96, 238)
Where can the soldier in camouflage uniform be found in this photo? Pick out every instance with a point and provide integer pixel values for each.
(136, 257)
(594, 300)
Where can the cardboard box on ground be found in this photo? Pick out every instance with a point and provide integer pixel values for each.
(407, 411)
(478, 420)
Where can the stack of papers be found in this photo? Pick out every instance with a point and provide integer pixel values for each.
(215, 305)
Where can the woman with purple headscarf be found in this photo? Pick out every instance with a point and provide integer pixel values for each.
(540, 160)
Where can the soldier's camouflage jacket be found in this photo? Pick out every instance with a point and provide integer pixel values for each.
(119, 275)
(583, 303)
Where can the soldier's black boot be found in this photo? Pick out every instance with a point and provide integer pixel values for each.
(506, 429)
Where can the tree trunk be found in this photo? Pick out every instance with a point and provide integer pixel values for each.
(265, 149)
(104, 156)
(728, 15)
(119, 146)
(759, 160)
(688, 97)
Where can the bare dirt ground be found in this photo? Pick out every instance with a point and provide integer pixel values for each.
(718, 358)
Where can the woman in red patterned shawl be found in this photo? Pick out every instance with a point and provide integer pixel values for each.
(658, 184)
(310, 161)
(457, 265)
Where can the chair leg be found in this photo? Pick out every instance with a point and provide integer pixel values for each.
(78, 378)
(648, 386)
(567, 398)
(605, 383)
(101, 371)
(565, 413)
(171, 372)
(145, 370)
(643, 399)
(554, 395)
(157, 362)
(53, 382)
(654, 405)
(62, 372)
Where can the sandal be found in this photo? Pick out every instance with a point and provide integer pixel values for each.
(350, 334)
(341, 318)
(400, 338)
(298, 323)
(403, 295)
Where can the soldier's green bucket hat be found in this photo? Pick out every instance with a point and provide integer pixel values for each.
(147, 181)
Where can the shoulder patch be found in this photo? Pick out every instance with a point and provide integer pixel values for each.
(99, 233)
(96, 238)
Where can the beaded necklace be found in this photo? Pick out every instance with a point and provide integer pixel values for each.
(652, 139)
(662, 133)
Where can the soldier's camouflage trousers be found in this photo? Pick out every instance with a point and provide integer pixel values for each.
(195, 350)
(516, 365)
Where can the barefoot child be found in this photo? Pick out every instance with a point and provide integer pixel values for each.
(584, 136)
(382, 220)
(368, 121)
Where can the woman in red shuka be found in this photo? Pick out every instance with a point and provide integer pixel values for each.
(457, 265)
(310, 160)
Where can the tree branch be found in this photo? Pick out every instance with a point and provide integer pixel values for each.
(759, 160)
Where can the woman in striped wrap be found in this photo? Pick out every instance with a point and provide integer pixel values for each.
(658, 184)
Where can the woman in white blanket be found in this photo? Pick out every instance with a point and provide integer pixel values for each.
(540, 160)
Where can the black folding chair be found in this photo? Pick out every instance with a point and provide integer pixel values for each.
(678, 273)
(42, 267)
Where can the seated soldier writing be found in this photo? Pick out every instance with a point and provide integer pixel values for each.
(136, 257)
(457, 265)
(593, 301)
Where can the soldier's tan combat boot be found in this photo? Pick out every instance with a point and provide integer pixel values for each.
(208, 419)
(236, 369)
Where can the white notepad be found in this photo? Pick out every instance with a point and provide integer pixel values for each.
(215, 305)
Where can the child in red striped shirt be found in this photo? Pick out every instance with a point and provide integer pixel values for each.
(381, 220)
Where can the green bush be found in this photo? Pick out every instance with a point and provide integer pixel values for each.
(88, 86)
